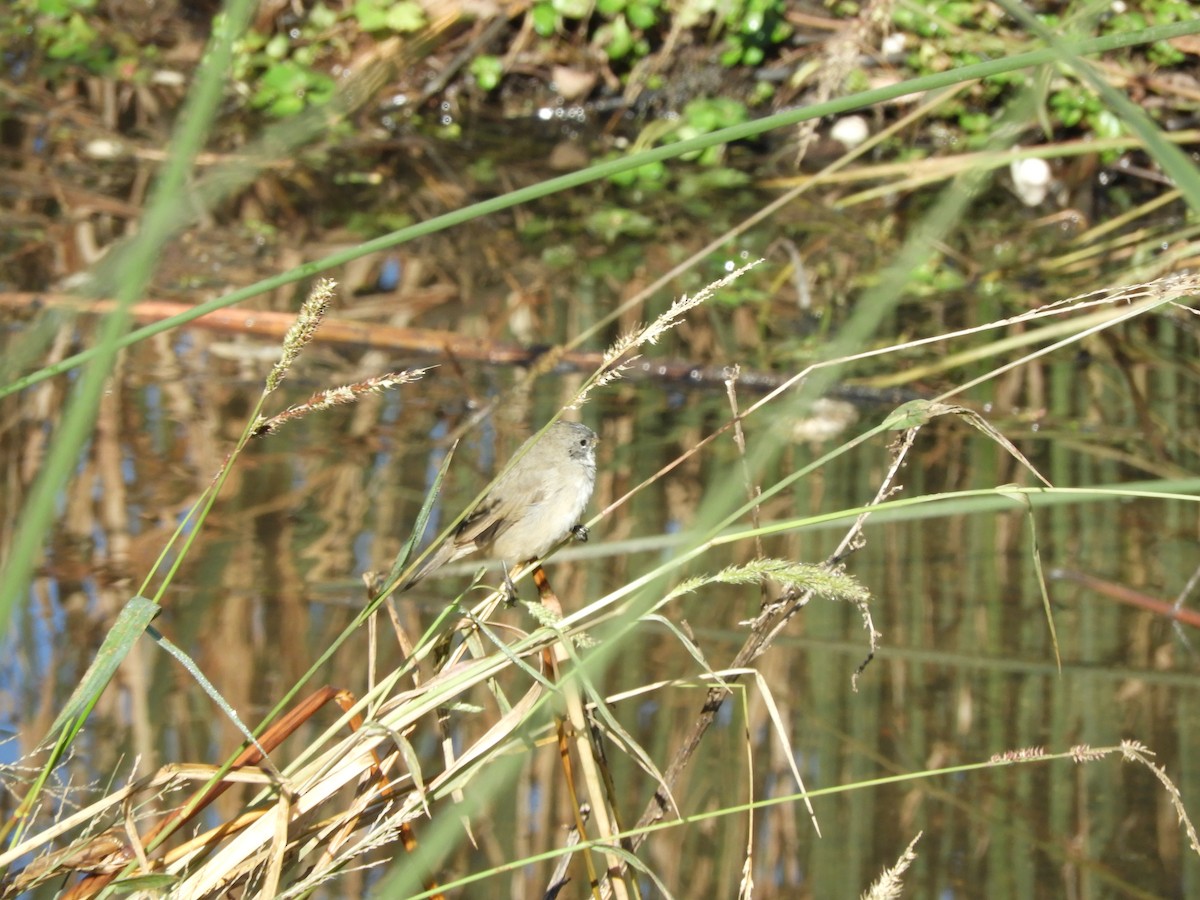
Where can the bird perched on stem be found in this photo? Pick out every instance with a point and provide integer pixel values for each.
(533, 505)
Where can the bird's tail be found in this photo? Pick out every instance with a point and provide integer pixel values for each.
(444, 554)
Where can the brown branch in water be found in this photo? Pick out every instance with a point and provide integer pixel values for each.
(1129, 596)
(434, 342)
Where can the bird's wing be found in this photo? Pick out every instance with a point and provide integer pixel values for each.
(492, 518)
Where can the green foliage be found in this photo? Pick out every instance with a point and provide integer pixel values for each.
(763, 92)
(620, 32)
(612, 222)
(711, 114)
(75, 38)
(561, 257)
(620, 41)
(1077, 107)
(544, 18)
(735, 297)
(754, 27)
(650, 177)
(61, 29)
(487, 71)
(699, 117)
(548, 15)
(962, 32)
(1136, 16)
(933, 278)
(572, 9)
(704, 116)
(624, 34)
(282, 72)
(703, 182)
(623, 28)
(388, 15)
(977, 124)
(58, 9)
(286, 87)
(371, 224)
(942, 20)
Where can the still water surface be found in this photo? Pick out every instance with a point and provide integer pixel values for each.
(966, 665)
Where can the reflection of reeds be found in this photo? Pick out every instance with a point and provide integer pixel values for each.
(92, 854)
(330, 830)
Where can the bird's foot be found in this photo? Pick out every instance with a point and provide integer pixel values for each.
(510, 589)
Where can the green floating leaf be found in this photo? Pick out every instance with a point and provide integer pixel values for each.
(572, 9)
(487, 70)
(615, 38)
(406, 17)
(612, 223)
(641, 15)
(545, 19)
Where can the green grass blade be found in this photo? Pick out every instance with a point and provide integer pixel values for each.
(133, 619)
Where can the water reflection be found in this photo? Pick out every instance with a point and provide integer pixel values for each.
(966, 669)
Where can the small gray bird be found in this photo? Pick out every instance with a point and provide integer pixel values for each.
(533, 506)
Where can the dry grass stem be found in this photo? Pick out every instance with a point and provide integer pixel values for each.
(617, 358)
(338, 396)
(312, 310)
(1137, 752)
(889, 885)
